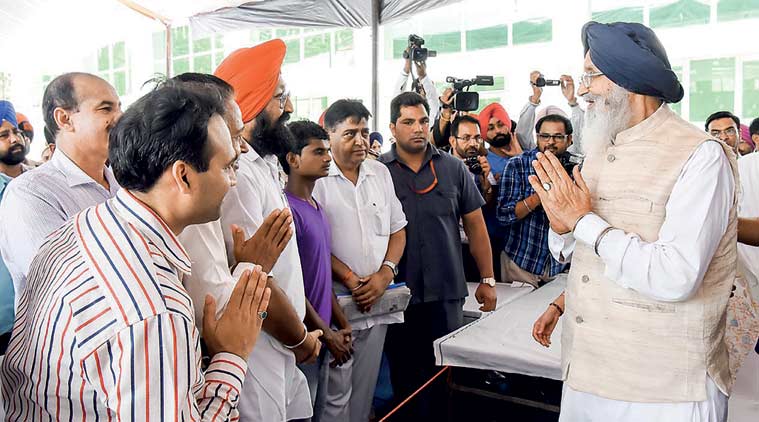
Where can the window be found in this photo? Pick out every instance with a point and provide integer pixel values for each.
(448, 42)
(287, 32)
(679, 13)
(399, 44)
(344, 40)
(728, 10)
(750, 89)
(201, 55)
(112, 66)
(712, 87)
(624, 14)
(535, 30)
(317, 44)
(678, 107)
(490, 37)
(309, 108)
(293, 51)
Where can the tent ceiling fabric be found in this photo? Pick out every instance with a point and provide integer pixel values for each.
(305, 13)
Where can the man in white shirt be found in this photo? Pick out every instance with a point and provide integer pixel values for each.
(79, 109)
(652, 236)
(279, 391)
(422, 84)
(368, 238)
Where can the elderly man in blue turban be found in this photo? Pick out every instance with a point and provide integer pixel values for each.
(650, 226)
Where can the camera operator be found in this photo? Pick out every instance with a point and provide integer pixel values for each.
(527, 116)
(421, 83)
(466, 145)
(527, 257)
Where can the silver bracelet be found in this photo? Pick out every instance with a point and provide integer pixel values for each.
(600, 237)
(524, 201)
(300, 342)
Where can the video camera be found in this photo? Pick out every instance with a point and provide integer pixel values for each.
(463, 99)
(542, 81)
(416, 52)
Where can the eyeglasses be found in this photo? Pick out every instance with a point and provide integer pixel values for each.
(731, 131)
(6, 134)
(587, 77)
(556, 138)
(283, 97)
(468, 139)
(429, 188)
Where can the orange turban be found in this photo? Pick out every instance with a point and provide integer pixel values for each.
(23, 122)
(254, 74)
(493, 110)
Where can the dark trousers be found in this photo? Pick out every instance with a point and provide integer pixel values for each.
(410, 353)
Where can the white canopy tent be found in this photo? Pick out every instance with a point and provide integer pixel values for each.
(89, 24)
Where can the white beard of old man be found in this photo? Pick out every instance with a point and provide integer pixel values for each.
(650, 227)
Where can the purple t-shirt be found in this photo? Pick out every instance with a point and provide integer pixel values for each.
(313, 234)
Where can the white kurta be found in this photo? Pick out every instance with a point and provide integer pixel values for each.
(670, 269)
(748, 206)
(274, 388)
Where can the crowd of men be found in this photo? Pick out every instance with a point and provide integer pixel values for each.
(199, 257)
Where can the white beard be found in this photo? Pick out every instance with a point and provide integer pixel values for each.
(608, 117)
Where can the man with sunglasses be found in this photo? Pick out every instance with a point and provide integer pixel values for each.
(724, 126)
(436, 191)
(528, 258)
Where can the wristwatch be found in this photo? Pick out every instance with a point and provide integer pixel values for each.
(490, 281)
(392, 266)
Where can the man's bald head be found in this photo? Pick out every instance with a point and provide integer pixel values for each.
(61, 92)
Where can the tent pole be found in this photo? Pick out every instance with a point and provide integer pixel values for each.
(168, 50)
(376, 10)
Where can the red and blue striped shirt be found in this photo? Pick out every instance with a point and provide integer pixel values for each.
(105, 330)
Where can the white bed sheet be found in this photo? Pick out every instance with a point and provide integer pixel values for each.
(502, 340)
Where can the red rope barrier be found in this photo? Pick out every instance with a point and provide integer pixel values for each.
(384, 419)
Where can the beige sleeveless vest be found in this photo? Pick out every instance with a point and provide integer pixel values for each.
(622, 345)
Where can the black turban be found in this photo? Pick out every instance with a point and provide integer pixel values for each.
(631, 56)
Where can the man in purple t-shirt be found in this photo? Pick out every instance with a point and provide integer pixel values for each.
(308, 161)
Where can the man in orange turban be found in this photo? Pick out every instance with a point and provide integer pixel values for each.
(274, 389)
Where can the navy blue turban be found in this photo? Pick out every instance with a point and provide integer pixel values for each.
(7, 113)
(632, 56)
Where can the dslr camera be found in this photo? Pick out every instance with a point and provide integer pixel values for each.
(416, 52)
(463, 99)
(473, 164)
(569, 161)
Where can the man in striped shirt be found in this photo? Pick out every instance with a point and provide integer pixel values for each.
(104, 328)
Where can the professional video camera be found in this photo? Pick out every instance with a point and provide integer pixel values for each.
(416, 52)
(465, 100)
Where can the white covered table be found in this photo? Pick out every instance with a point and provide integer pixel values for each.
(507, 292)
(502, 340)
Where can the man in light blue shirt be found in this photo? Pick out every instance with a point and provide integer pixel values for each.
(6, 289)
(79, 110)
